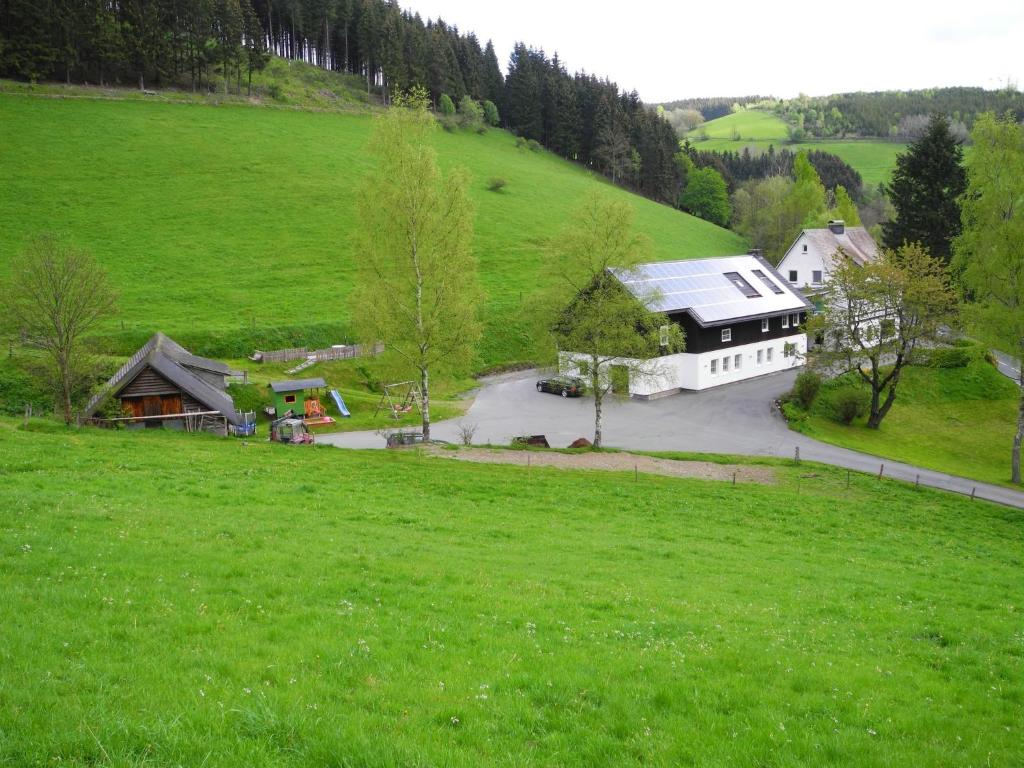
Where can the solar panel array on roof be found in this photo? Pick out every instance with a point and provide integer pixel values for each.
(703, 288)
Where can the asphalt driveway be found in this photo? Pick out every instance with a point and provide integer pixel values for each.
(736, 418)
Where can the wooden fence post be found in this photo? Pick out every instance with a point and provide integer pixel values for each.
(881, 472)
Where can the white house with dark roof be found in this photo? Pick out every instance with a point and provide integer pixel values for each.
(741, 320)
(810, 259)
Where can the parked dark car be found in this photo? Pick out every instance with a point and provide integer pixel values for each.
(566, 386)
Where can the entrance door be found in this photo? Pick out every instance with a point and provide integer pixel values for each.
(152, 406)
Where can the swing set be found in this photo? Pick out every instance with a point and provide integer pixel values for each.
(401, 398)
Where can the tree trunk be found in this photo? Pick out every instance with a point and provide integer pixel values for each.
(1019, 437)
(598, 404)
(142, 82)
(425, 402)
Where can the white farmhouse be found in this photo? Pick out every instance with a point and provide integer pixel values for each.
(740, 318)
(809, 261)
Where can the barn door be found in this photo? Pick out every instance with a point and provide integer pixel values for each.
(170, 405)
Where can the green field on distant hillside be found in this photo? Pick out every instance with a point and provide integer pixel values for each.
(217, 220)
(183, 600)
(873, 159)
(955, 420)
(751, 124)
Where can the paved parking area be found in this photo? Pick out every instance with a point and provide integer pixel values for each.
(736, 418)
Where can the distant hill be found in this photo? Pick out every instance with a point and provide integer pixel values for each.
(893, 114)
(229, 226)
(757, 129)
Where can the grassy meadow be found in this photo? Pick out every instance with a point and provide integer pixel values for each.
(225, 224)
(955, 420)
(188, 600)
(874, 159)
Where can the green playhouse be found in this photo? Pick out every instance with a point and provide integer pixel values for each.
(301, 397)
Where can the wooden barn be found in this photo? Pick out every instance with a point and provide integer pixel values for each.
(164, 385)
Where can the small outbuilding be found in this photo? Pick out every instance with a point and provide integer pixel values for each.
(165, 385)
(301, 397)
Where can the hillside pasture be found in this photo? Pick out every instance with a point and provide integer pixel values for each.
(223, 220)
(181, 600)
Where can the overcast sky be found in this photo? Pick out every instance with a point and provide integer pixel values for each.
(679, 49)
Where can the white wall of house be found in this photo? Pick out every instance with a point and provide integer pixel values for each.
(667, 375)
(810, 265)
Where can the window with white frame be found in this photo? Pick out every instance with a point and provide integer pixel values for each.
(727, 334)
(785, 321)
(792, 275)
(805, 247)
(737, 362)
(794, 320)
(765, 325)
(714, 367)
(768, 354)
(816, 276)
(725, 365)
(760, 357)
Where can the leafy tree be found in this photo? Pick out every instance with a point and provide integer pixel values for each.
(925, 190)
(988, 254)
(55, 296)
(844, 208)
(417, 290)
(760, 213)
(491, 116)
(446, 105)
(597, 317)
(876, 317)
(706, 196)
(806, 200)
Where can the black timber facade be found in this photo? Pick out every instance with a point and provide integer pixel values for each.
(747, 331)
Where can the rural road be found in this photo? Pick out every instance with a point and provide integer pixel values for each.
(736, 419)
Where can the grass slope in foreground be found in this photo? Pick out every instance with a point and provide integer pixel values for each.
(873, 159)
(170, 600)
(216, 219)
(955, 420)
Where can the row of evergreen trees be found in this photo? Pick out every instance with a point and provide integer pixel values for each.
(195, 42)
(738, 167)
(586, 119)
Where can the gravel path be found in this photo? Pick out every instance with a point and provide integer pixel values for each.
(615, 462)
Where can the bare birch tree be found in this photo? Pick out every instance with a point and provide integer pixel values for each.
(55, 296)
(417, 289)
(596, 317)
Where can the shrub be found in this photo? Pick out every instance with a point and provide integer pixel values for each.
(533, 145)
(849, 404)
(520, 142)
(448, 123)
(491, 113)
(496, 184)
(471, 114)
(806, 388)
(274, 91)
(445, 105)
(952, 357)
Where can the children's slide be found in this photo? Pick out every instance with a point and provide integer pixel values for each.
(342, 409)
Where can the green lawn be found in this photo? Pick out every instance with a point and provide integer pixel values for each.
(874, 159)
(227, 225)
(183, 600)
(955, 420)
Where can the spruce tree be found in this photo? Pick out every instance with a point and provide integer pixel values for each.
(925, 190)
